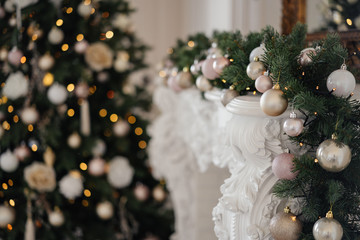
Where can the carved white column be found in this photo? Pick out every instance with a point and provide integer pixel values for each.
(252, 140)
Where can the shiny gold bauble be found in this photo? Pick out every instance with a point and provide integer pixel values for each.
(273, 103)
(285, 226)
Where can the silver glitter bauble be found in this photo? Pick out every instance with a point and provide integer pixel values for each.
(333, 156)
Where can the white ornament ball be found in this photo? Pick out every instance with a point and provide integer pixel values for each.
(16, 86)
(29, 115)
(273, 103)
(46, 62)
(22, 152)
(121, 128)
(80, 47)
(8, 161)
(82, 90)
(56, 36)
(208, 70)
(159, 193)
(96, 167)
(333, 156)
(184, 80)
(57, 94)
(84, 10)
(99, 148)
(342, 82)
(71, 185)
(141, 192)
(227, 96)
(304, 57)
(105, 210)
(220, 63)
(257, 52)
(327, 229)
(203, 84)
(7, 216)
(103, 77)
(3, 54)
(74, 140)
(255, 69)
(14, 56)
(56, 218)
(263, 83)
(196, 67)
(293, 126)
(12, 21)
(120, 172)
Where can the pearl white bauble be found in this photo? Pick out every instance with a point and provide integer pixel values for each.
(82, 90)
(141, 192)
(12, 21)
(80, 47)
(14, 56)
(333, 155)
(327, 229)
(159, 193)
(203, 84)
(257, 53)
(46, 62)
(16, 86)
(263, 83)
(84, 10)
(71, 185)
(304, 57)
(208, 70)
(74, 140)
(56, 218)
(220, 63)
(255, 69)
(96, 167)
(7, 216)
(293, 126)
(342, 82)
(99, 148)
(105, 210)
(196, 67)
(8, 161)
(103, 77)
(273, 103)
(56, 36)
(57, 94)
(121, 128)
(184, 79)
(22, 152)
(227, 96)
(29, 115)
(120, 172)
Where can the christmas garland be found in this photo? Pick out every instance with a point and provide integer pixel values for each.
(315, 82)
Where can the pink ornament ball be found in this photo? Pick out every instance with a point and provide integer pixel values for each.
(263, 83)
(172, 84)
(97, 167)
(283, 165)
(82, 90)
(21, 152)
(220, 63)
(80, 47)
(14, 56)
(208, 70)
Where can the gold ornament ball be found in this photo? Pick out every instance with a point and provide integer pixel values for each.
(273, 103)
(285, 226)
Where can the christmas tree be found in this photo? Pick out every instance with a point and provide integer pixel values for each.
(73, 161)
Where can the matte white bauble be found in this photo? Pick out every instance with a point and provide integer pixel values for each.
(46, 62)
(120, 172)
(57, 94)
(257, 52)
(56, 218)
(8, 161)
(14, 56)
(159, 193)
(71, 185)
(84, 10)
(105, 210)
(99, 148)
(203, 84)
(121, 128)
(141, 192)
(96, 167)
(29, 115)
(255, 69)
(82, 90)
(22, 152)
(80, 47)
(74, 140)
(16, 86)
(56, 36)
(3, 54)
(7, 216)
(341, 82)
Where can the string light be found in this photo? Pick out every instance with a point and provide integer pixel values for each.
(83, 166)
(162, 73)
(79, 37)
(59, 22)
(170, 51)
(110, 94)
(71, 112)
(48, 79)
(142, 144)
(23, 59)
(69, 10)
(10, 108)
(191, 44)
(223, 80)
(16, 118)
(231, 60)
(10, 182)
(9, 227)
(92, 10)
(349, 22)
(103, 112)
(65, 47)
(12, 202)
(107, 133)
(34, 148)
(105, 14)
(114, 117)
(34, 37)
(131, 119)
(138, 131)
(301, 144)
(87, 2)
(87, 193)
(85, 203)
(109, 34)
(30, 128)
(92, 89)
(2, 84)
(316, 160)
(6, 125)
(247, 88)
(70, 87)
(4, 186)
